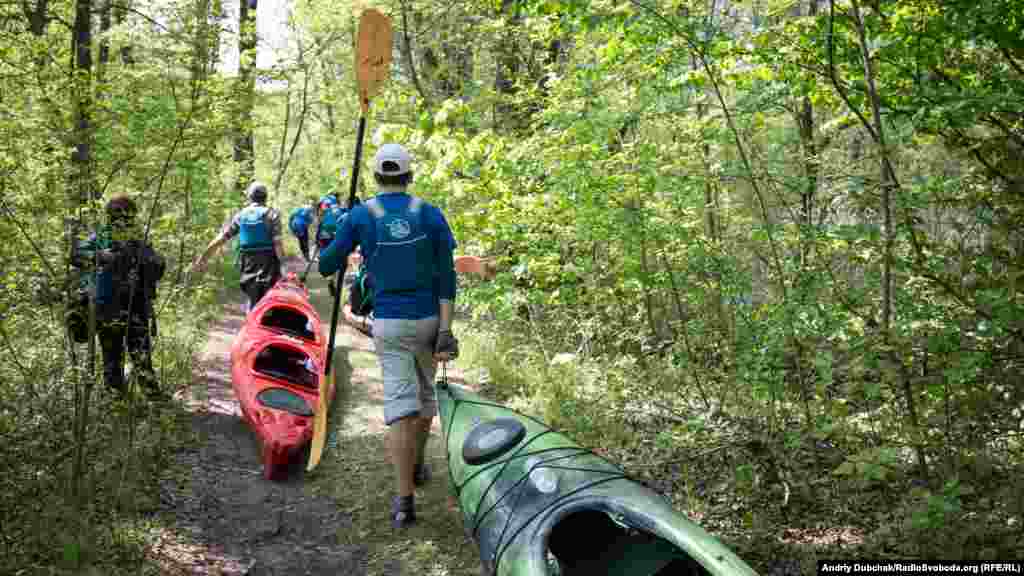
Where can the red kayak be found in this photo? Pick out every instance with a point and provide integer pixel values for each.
(277, 361)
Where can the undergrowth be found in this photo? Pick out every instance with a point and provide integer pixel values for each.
(781, 500)
(47, 529)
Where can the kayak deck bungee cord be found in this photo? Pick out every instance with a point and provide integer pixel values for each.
(537, 504)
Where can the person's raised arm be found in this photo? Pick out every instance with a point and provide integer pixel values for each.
(200, 263)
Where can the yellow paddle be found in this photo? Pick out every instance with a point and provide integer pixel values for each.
(373, 65)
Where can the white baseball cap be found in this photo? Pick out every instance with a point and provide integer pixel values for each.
(392, 160)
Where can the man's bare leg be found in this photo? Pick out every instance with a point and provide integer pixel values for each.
(403, 436)
(422, 435)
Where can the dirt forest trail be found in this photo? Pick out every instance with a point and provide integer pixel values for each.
(219, 516)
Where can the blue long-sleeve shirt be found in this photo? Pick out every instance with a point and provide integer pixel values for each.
(358, 230)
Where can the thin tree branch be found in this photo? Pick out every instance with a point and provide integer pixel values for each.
(42, 258)
(407, 50)
(284, 136)
(1013, 61)
(25, 373)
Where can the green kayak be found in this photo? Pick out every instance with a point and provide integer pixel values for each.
(539, 505)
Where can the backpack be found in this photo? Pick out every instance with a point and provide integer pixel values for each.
(404, 259)
(115, 285)
(360, 298)
(329, 224)
(299, 219)
(133, 277)
(253, 231)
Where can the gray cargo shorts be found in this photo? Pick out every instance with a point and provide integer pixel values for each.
(405, 349)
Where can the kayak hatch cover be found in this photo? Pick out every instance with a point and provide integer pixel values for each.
(537, 504)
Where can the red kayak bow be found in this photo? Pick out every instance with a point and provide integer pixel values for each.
(277, 362)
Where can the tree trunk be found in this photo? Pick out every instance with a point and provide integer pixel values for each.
(81, 157)
(244, 147)
(888, 183)
(101, 66)
(36, 15)
(119, 16)
(202, 56)
(286, 157)
(84, 194)
(507, 66)
(805, 122)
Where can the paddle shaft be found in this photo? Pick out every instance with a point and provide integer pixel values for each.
(341, 270)
(356, 160)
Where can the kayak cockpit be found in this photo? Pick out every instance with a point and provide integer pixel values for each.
(288, 320)
(282, 362)
(610, 548)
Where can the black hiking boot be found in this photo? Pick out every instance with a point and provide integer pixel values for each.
(421, 475)
(403, 512)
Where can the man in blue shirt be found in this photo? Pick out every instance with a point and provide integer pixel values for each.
(408, 247)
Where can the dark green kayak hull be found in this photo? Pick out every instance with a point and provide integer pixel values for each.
(537, 504)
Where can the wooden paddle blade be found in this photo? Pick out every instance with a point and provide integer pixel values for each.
(316, 448)
(373, 54)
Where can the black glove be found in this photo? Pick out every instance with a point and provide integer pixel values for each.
(446, 342)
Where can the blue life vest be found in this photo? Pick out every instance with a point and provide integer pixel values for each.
(404, 258)
(100, 284)
(330, 222)
(299, 220)
(253, 231)
(113, 282)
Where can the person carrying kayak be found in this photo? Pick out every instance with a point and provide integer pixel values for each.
(299, 222)
(258, 228)
(126, 272)
(408, 245)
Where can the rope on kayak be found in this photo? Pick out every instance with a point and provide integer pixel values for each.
(524, 477)
(478, 516)
(504, 544)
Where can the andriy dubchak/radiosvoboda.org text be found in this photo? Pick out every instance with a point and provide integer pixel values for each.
(941, 567)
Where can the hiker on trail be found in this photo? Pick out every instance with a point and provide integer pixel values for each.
(408, 247)
(331, 215)
(261, 253)
(127, 270)
(299, 222)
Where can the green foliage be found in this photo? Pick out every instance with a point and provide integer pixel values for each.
(685, 206)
